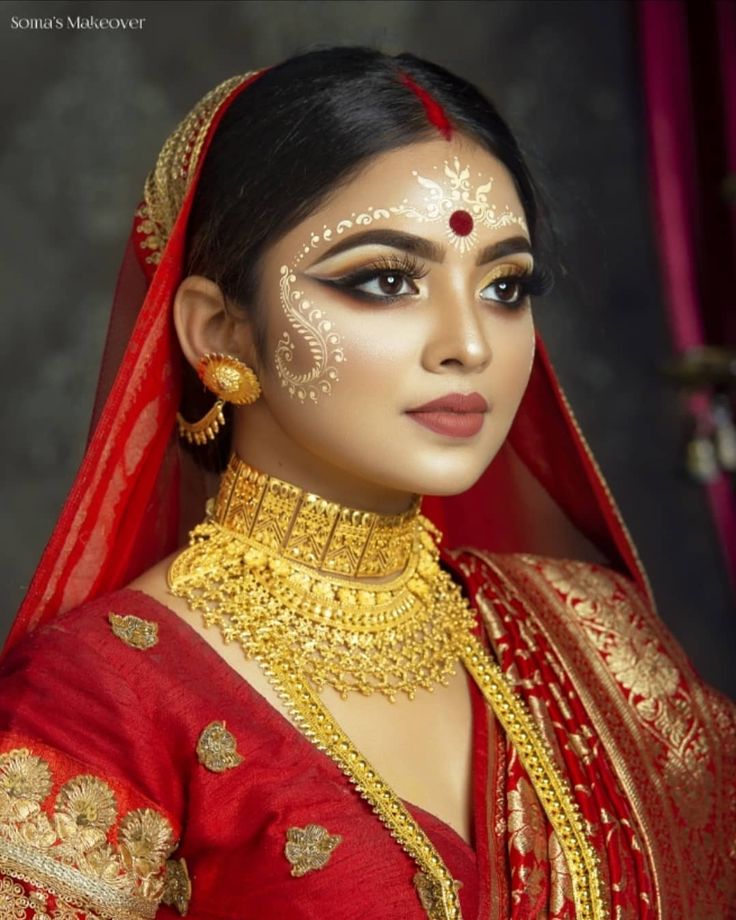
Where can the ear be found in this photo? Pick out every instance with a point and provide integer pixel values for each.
(204, 322)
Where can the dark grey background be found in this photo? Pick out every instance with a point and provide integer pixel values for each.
(83, 117)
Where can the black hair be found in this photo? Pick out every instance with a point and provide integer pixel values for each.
(301, 130)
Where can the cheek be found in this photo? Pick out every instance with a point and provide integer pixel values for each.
(513, 346)
(303, 342)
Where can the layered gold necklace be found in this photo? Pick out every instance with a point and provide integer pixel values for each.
(323, 595)
(290, 575)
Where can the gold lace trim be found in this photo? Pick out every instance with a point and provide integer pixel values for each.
(15, 901)
(307, 529)
(65, 846)
(168, 183)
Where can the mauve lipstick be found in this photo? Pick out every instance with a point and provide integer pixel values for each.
(456, 415)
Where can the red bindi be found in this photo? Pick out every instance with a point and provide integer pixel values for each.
(461, 223)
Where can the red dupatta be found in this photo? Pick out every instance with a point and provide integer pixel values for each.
(543, 493)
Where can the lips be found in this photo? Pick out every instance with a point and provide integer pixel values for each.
(456, 415)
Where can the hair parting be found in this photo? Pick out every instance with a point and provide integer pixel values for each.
(435, 113)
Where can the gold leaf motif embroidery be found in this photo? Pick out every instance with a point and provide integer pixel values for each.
(217, 748)
(133, 631)
(25, 781)
(145, 841)
(309, 848)
(71, 848)
(177, 886)
(85, 811)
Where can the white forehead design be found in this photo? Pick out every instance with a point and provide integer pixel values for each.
(452, 195)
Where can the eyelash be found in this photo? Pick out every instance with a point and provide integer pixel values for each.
(405, 266)
(532, 282)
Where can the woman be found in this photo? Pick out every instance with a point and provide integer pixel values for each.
(311, 710)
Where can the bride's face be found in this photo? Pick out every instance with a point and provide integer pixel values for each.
(398, 331)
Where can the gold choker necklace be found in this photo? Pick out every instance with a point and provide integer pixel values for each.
(279, 570)
(281, 518)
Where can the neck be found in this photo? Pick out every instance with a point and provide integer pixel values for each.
(310, 530)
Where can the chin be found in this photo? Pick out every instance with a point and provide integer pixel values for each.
(448, 483)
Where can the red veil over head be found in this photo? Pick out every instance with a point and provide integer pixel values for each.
(127, 508)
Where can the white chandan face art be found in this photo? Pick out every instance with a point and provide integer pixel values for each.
(450, 200)
(399, 336)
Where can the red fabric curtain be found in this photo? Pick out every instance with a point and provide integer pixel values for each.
(688, 65)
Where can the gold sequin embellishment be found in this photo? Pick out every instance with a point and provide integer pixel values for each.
(133, 631)
(217, 749)
(177, 886)
(309, 848)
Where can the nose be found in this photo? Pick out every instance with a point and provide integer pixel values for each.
(458, 339)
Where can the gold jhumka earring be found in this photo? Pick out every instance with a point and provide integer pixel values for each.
(231, 381)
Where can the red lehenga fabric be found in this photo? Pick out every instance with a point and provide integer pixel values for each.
(105, 805)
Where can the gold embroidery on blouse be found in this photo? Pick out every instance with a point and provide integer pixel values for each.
(177, 886)
(309, 848)
(145, 840)
(133, 631)
(217, 748)
(13, 902)
(74, 847)
(25, 781)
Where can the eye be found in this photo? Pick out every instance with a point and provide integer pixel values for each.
(382, 281)
(511, 285)
(510, 290)
(387, 284)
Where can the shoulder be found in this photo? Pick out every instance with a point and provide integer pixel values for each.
(102, 684)
(594, 599)
(121, 637)
(80, 736)
(610, 637)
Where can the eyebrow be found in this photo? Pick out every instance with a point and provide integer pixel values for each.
(424, 248)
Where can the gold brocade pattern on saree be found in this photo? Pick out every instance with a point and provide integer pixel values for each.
(647, 675)
(15, 902)
(77, 845)
(669, 740)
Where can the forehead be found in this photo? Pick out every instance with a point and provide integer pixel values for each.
(399, 172)
(407, 188)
